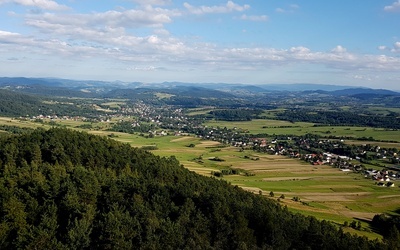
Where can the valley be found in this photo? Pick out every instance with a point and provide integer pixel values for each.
(251, 145)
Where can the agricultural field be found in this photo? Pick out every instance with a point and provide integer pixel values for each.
(383, 110)
(322, 191)
(271, 127)
(376, 143)
(114, 104)
(199, 111)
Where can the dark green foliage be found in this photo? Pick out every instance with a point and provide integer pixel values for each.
(386, 225)
(15, 104)
(216, 158)
(342, 118)
(235, 114)
(15, 129)
(61, 189)
(150, 147)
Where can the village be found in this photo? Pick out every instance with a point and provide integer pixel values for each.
(376, 163)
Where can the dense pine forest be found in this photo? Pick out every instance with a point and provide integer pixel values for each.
(62, 189)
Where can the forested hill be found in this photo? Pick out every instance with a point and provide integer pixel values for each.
(61, 189)
(14, 104)
(17, 104)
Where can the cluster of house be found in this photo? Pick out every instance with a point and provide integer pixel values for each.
(54, 117)
(340, 161)
(100, 118)
(383, 175)
(169, 118)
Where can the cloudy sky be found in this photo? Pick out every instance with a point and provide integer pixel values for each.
(340, 42)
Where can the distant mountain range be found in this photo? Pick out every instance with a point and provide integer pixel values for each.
(355, 91)
(81, 88)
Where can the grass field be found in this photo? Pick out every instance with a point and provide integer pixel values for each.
(376, 143)
(300, 128)
(114, 104)
(199, 111)
(323, 191)
(383, 110)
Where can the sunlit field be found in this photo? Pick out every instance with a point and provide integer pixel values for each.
(272, 127)
(321, 191)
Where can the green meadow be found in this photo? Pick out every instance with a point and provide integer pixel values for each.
(321, 191)
(271, 127)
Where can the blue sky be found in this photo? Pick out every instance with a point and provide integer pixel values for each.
(340, 42)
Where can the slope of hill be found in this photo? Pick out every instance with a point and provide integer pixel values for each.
(15, 81)
(46, 90)
(104, 86)
(364, 91)
(303, 87)
(16, 104)
(63, 189)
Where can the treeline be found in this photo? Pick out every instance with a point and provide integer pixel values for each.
(342, 118)
(62, 189)
(389, 227)
(235, 114)
(15, 129)
(194, 101)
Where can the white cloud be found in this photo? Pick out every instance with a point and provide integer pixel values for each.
(9, 38)
(115, 44)
(41, 4)
(262, 18)
(363, 77)
(7, 34)
(228, 7)
(104, 23)
(140, 68)
(339, 49)
(152, 2)
(396, 47)
(394, 7)
(290, 9)
(382, 47)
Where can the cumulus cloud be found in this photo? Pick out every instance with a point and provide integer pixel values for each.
(152, 49)
(41, 4)
(394, 7)
(228, 7)
(339, 49)
(262, 18)
(396, 47)
(100, 24)
(10, 38)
